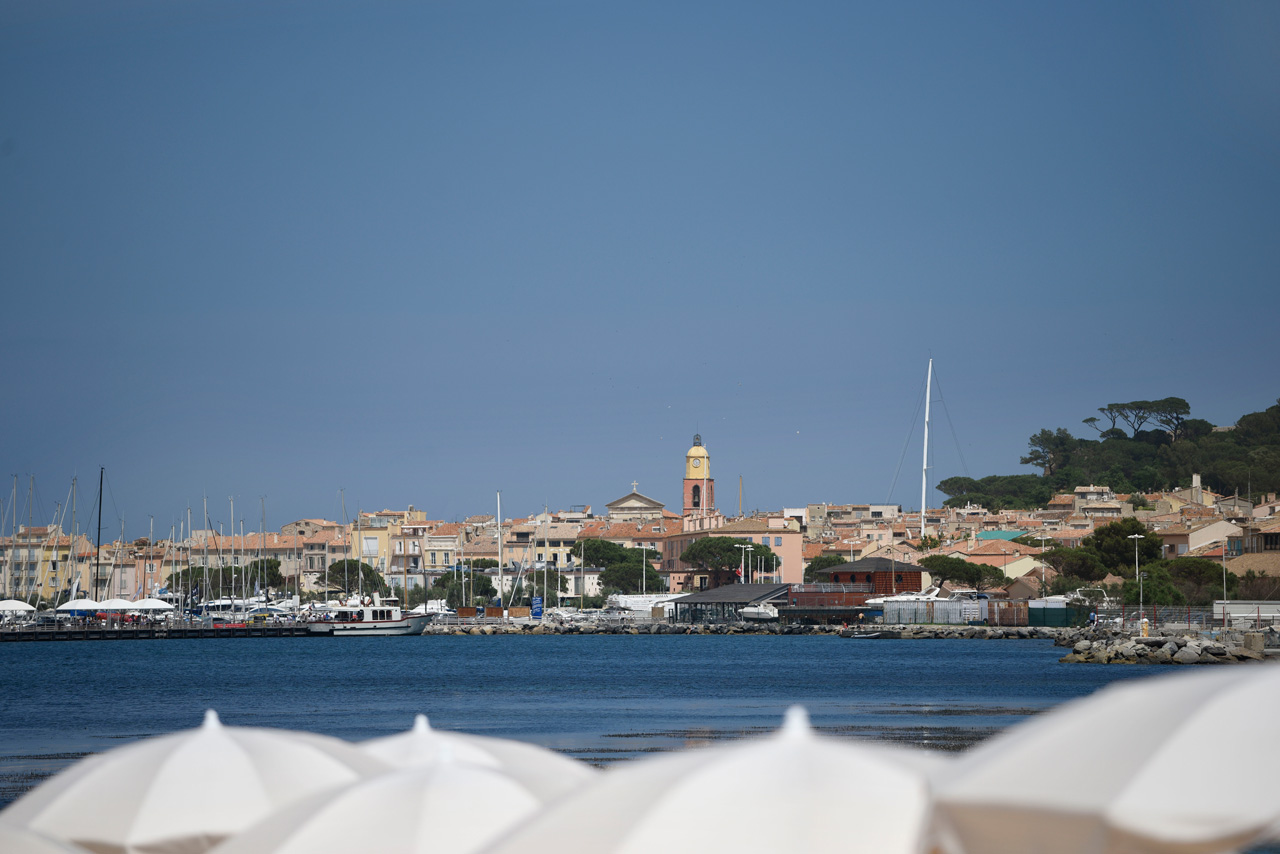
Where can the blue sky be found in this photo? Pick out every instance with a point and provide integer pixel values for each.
(424, 252)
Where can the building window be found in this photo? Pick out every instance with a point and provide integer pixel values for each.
(777, 541)
(697, 495)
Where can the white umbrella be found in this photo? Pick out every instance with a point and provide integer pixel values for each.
(17, 839)
(151, 605)
(448, 806)
(544, 772)
(1117, 772)
(185, 792)
(14, 606)
(78, 605)
(116, 605)
(791, 791)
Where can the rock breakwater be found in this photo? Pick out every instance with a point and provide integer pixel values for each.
(1110, 647)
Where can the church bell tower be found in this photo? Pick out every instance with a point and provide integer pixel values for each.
(699, 487)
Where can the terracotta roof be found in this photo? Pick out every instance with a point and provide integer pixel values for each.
(1259, 562)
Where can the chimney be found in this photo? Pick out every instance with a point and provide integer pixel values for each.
(1197, 494)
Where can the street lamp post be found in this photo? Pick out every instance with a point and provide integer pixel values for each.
(1136, 575)
(745, 550)
(644, 550)
(1224, 583)
(1042, 539)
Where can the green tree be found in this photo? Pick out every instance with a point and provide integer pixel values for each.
(1082, 564)
(417, 595)
(1158, 588)
(268, 571)
(1114, 549)
(468, 588)
(1171, 414)
(625, 578)
(988, 577)
(480, 563)
(1050, 450)
(721, 558)
(1200, 579)
(819, 563)
(351, 575)
(962, 573)
(621, 566)
(549, 585)
(1135, 413)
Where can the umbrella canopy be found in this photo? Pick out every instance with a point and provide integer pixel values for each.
(17, 839)
(187, 791)
(1110, 773)
(791, 791)
(78, 605)
(448, 806)
(14, 606)
(544, 772)
(151, 605)
(116, 605)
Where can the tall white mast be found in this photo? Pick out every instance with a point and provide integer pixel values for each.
(924, 472)
(502, 594)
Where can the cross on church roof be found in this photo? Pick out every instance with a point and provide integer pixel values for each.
(634, 484)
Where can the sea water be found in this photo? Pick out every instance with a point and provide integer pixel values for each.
(601, 698)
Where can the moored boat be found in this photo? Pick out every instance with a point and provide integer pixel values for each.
(368, 617)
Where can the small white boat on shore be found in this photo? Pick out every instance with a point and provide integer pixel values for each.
(763, 611)
(929, 594)
(367, 617)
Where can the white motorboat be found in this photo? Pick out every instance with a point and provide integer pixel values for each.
(763, 611)
(367, 617)
(929, 594)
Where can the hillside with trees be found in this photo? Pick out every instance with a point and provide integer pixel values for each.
(1141, 446)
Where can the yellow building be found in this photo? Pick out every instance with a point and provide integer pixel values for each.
(42, 561)
(373, 534)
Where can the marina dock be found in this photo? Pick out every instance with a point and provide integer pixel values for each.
(127, 633)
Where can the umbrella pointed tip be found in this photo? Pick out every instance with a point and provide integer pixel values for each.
(420, 724)
(211, 718)
(796, 722)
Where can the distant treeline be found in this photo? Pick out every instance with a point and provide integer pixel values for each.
(1245, 459)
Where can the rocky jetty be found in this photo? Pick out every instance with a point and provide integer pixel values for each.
(624, 629)
(1110, 647)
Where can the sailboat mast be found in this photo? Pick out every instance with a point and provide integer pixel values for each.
(502, 594)
(924, 472)
(97, 555)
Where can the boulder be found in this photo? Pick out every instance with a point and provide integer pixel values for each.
(1186, 656)
(1161, 656)
(1255, 642)
(1072, 658)
(1082, 647)
(1243, 653)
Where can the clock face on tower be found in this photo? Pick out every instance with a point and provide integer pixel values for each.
(697, 463)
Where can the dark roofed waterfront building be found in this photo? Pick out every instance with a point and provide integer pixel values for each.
(721, 604)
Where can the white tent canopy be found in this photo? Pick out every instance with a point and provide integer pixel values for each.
(792, 791)
(449, 806)
(544, 772)
(185, 792)
(78, 605)
(1109, 773)
(116, 605)
(151, 605)
(14, 606)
